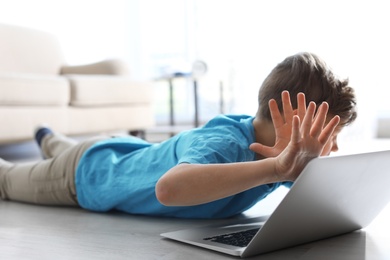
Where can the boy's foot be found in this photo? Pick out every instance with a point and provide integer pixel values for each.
(40, 133)
(4, 164)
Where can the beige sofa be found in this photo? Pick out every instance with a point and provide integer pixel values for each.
(37, 87)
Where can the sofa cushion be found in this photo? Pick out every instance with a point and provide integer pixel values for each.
(19, 122)
(33, 90)
(107, 90)
(105, 119)
(27, 50)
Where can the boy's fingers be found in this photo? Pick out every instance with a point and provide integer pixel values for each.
(287, 107)
(301, 100)
(319, 120)
(328, 130)
(295, 135)
(261, 149)
(256, 147)
(277, 118)
(308, 119)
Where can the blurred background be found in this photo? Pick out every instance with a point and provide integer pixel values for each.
(239, 40)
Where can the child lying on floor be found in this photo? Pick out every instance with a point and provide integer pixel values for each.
(215, 171)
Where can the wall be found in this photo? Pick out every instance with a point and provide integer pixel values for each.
(241, 41)
(250, 37)
(88, 30)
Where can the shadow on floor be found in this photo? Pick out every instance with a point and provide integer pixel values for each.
(29, 151)
(20, 152)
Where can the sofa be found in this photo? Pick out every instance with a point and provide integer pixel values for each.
(37, 87)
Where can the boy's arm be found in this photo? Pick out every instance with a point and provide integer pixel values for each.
(191, 184)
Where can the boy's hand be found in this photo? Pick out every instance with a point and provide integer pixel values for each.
(301, 135)
(282, 124)
(308, 139)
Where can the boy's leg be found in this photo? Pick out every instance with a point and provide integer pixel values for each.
(55, 144)
(51, 143)
(48, 182)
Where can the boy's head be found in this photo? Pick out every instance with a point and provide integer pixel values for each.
(307, 73)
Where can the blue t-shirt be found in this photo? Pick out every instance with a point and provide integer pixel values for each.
(121, 173)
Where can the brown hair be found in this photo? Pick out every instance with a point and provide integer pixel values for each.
(307, 73)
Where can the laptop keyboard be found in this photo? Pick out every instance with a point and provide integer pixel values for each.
(240, 239)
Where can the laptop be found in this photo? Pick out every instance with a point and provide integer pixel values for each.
(332, 196)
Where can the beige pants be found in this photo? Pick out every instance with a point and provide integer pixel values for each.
(47, 182)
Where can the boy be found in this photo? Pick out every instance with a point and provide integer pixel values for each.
(215, 171)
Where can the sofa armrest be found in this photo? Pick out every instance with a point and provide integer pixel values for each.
(105, 67)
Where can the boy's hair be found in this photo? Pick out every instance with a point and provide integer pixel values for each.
(307, 73)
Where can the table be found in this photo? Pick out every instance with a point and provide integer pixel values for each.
(195, 82)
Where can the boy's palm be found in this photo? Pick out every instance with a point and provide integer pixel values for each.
(282, 124)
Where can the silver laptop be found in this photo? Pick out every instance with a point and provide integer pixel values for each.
(332, 196)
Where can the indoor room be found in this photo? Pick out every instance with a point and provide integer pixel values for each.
(153, 71)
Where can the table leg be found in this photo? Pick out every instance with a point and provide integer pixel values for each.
(196, 117)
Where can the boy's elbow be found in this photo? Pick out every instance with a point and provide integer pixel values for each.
(164, 193)
(168, 190)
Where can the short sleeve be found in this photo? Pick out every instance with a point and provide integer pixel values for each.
(215, 149)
